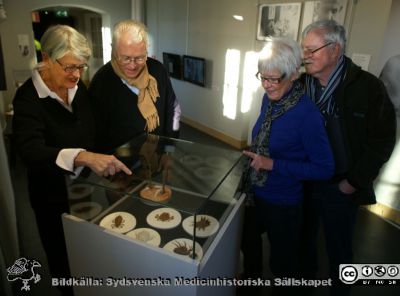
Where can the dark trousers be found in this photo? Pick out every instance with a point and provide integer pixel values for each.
(252, 244)
(48, 219)
(283, 225)
(325, 203)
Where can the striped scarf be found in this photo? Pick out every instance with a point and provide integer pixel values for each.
(326, 102)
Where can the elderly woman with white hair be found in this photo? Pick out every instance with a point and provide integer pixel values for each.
(289, 145)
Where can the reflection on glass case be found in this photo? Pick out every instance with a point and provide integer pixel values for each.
(179, 197)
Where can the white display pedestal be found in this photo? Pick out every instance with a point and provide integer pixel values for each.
(98, 254)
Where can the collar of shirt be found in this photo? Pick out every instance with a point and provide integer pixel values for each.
(133, 89)
(44, 92)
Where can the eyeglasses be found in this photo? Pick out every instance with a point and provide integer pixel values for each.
(272, 80)
(73, 68)
(309, 51)
(127, 60)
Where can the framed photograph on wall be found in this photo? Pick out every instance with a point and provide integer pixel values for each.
(3, 85)
(194, 70)
(172, 63)
(324, 10)
(278, 20)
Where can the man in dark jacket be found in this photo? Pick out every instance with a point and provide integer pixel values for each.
(132, 93)
(361, 126)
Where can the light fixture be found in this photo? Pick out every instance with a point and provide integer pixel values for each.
(238, 17)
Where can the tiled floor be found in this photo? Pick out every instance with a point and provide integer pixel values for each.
(376, 241)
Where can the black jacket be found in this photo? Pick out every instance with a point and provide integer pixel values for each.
(117, 116)
(368, 125)
(41, 128)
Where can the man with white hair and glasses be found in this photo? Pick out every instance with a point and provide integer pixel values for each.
(361, 125)
(132, 93)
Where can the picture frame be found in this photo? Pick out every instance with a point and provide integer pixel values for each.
(324, 10)
(278, 20)
(194, 70)
(172, 62)
(3, 84)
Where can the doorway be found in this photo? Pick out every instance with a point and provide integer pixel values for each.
(87, 22)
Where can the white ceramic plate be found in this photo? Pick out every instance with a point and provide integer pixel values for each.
(78, 191)
(206, 225)
(114, 223)
(146, 235)
(217, 162)
(192, 160)
(206, 173)
(164, 218)
(184, 247)
(86, 210)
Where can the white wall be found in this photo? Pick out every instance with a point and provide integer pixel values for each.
(391, 44)
(368, 30)
(207, 29)
(386, 188)
(19, 22)
(200, 28)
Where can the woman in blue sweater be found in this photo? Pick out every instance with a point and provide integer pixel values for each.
(289, 145)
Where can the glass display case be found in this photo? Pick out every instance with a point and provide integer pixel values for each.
(180, 206)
